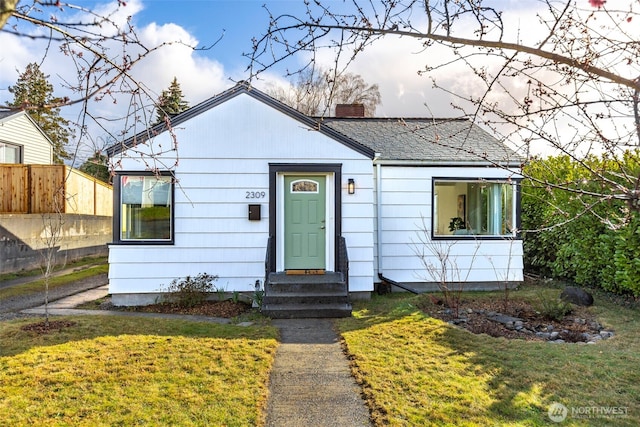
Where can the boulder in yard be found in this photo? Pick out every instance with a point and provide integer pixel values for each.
(576, 296)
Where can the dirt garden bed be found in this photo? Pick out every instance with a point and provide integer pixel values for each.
(226, 309)
(518, 320)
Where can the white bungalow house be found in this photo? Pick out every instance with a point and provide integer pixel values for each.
(22, 140)
(249, 189)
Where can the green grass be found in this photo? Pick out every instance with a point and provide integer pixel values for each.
(77, 264)
(417, 370)
(107, 371)
(414, 369)
(54, 282)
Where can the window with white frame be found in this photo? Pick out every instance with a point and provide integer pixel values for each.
(10, 153)
(146, 208)
(479, 208)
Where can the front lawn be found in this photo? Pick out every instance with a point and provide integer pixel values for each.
(37, 285)
(105, 370)
(418, 370)
(414, 369)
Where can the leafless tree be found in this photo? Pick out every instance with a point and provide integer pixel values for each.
(53, 223)
(440, 262)
(568, 78)
(103, 49)
(317, 91)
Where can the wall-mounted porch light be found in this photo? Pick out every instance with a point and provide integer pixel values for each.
(351, 186)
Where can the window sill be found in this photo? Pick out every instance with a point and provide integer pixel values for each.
(143, 242)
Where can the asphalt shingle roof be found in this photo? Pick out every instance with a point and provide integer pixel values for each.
(5, 114)
(418, 140)
(425, 139)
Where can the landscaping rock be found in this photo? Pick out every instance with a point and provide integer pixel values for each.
(508, 321)
(606, 334)
(521, 321)
(577, 296)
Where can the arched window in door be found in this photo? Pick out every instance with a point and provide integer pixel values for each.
(304, 186)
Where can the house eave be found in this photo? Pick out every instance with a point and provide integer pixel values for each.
(30, 119)
(240, 88)
(448, 163)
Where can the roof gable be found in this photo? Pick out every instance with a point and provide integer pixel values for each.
(6, 116)
(239, 89)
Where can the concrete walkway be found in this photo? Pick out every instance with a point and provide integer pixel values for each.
(310, 384)
(66, 307)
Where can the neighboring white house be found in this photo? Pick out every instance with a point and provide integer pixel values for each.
(35, 193)
(22, 140)
(244, 186)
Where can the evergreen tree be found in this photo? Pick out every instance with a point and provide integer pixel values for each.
(96, 166)
(33, 93)
(171, 102)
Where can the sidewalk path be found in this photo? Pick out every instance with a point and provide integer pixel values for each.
(17, 303)
(66, 307)
(311, 384)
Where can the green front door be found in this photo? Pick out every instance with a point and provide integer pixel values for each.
(304, 222)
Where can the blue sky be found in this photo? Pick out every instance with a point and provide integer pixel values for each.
(392, 63)
(237, 21)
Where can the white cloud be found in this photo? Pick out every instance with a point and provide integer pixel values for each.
(199, 77)
(391, 62)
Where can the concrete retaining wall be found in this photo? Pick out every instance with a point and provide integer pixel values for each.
(23, 239)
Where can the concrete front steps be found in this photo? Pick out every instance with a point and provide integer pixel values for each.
(306, 296)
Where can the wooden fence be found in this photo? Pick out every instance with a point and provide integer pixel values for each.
(30, 189)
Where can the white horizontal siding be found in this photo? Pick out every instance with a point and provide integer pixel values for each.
(227, 224)
(222, 154)
(477, 275)
(20, 130)
(406, 217)
(154, 285)
(243, 129)
(400, 173)
(357, 229)
(491, 262)
(197, 255)
(222, 239)
(233, 270)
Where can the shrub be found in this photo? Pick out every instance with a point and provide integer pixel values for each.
(257, 298)
(575, 235)
(552, 307)
(190, 291)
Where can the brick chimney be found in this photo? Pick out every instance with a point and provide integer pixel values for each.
(350, 110)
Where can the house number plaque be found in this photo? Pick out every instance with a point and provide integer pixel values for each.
(256, 195)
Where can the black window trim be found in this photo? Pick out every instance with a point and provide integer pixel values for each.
(117, 209)
(518, 213)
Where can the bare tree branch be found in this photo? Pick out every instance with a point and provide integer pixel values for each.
(575, 89)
